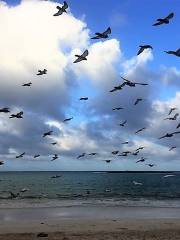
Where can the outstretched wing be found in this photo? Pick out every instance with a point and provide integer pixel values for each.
(158, 23)
(140, 50)
(65, 6)
(108, 31)
(143, 84)
(171, 15)
(178, 51)
(85, 53)
(126, 80)
(176, 132)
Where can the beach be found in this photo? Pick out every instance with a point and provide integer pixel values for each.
(90, 222)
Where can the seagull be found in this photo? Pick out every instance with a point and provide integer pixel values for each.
(54, 157)
(68, 119)
(107, 161)
(172, 118)
(103, 34)
(124, 142)
(56, 176)
(141, 160)
(117, 88)
(24, 190)
(169, 175)
(137, 183)
(36, 156)
(47, 133)
(178, 125)
(54, 143)
(126, 152)
(82, 155)
(176, 53)
(165, 20)
(92, 154)
(27, 84)
(172, 148)
(150, 165)
(1, 162)
(123, 154)
(137, 101)
(171, 110)
(4, 110)
(41, 72)
(123, 123)
(18, 115)
(115, 152)
(140, 130)
(84, 98)
(135, 153)
(143, 47)
(61, 10)
(117, 108)
(81, 57)
(132, 84)
(21, 155)
(169, 135)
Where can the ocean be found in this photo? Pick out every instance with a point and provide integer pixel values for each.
(93, 187)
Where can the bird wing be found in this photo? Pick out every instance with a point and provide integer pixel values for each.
(97, 37)
(178, 51)
(171, 15)
(85, 53)
(126, 80)
(176, 132)
(79, 59)
(140, 50)
(158, 23)
(108, 31)
(65, 6)
(143, 84)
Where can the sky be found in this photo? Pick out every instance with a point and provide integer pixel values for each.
(32, 39)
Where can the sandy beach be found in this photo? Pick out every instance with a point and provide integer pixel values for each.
(90, 222)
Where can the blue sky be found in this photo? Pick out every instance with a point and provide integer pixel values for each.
(94, 122)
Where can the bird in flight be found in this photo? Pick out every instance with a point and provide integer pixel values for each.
(137, 183)
(143, 47)
(167, 135)
(141, 160)
(81, 155)
(68, 119)
(36, 156)
(42, 72)
(117, 108)
(115, 152)
(150, 165)
(81, 57)
(83, 98)
(165, 20)
(27, 84)
(123, 123)
(135, 153)
(54, 143)
(21, 155)
(54, 157)
(131, 84)
(140, 130)
(117, 88)
(92, 154)
(1, 162)
(124, 142)
(107, 161)
(18, 115)
(173, 147)
(103, 34)
(171, 110)
(140, 148)
(4, 110)
(173, 118)
(176, 53)
(61, 10)
(137, 101)
(47, 133)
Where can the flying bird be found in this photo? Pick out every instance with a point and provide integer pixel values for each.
(141, 160)
(137, 183)
(169, 175)
(1, 162)
(117, 108)
(173, 147)
(143, 47)
(4, 110)
(18, 115)
(124, 142)
(54, 157)
(103, 34)
(92, 154)
(171, 110)
(81, 155)
(56, 176)
(36, 156)
(21, 155)
(61, 10)
(140, 148)
(176, 53)
(135, 153)
(173, 118)
(47, 134)
(165, 20)
(41, 72)
(131, 84)
(140, 130)
(54, 143)
(123, 123)
(68, 119)
(150, 165)
(167, 135)
(107, 161)
(137, 101)
(27, 84)
(81, 57)
(84, 98)
(115, 152)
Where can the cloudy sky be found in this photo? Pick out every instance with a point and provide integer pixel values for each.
(32, 38)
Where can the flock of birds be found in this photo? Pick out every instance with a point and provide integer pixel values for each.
(125, 83)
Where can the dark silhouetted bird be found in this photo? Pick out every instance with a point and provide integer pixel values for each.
(54, 143)
(47, 133)
(54, 157)
(4, 110)
(81, 155)
(18, 115)
(165, 20)
(140, 130)
(117, 108)
(115, 152)
(131, 84)
(171, 110)
(21, 155)
(167, 135)
(124, 142)
(92, 154)
(42, 72)
(1, 162)
(81, 57)
(140, 148)
(61, 10)
(135, 153)
(84, 98)
(172, 148)
(172, 118)
(107, 161)
(103, 34)
(150, 165)
(36, 156)
(141, 160)
(176, 53)
(137, 101)
(68, 119)
(27, 84)
(143, 47)
(123, 123)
